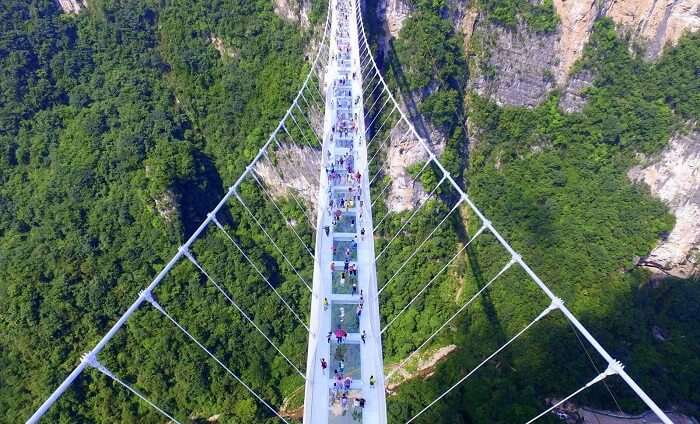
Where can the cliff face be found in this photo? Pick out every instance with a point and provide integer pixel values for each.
(72, 6)
(521, 67)
(393, 13)
(517, 67)
(655, 23)
(295, 172)
(296, 11)
(675, 178)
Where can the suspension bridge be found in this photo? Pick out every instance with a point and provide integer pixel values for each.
(343, 120)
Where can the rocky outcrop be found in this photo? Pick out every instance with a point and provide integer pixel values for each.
(295, 171)
(573, 97)
(403, 151)
(393, 13)
(72, 6)
(295, 11)
(223, 50)
(655, 23)
(166, 204)
(572, 413)
(576, 21)
(423, 366)
(517, 69)
(520, 67)
(675, 179)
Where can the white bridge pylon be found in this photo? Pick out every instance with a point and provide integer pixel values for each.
(345, 325)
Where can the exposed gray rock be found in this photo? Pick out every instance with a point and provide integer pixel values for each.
(166, 204)
(518, 67)
(295, 171)
(675, 179)
(573, 98)
(72, 6)
(296, 11)
(220, 46)
(403, 151)
(655, 23)
(393, 13)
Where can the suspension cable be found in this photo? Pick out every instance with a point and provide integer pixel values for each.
(257, 270)
(533, 276)
(595, 367)
(600, 377)
(189, 256)
(92, 361)
(544, 313)
(165, 313)
(240, 199)
(462, 308)
(291, 189)
(381, 146)
(369, 143)
(415, 212)
(387, 186)
(401, 139)
(303, 135)
(284, 216)
(422, 243)
(303, 115)
(425, 287)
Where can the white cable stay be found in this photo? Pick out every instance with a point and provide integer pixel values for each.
(381, 109)
(379, 170)
(610, 370)
(257, 270)
(291, 189)
(201, 269)
(410, 218)
(453, 316)
(75, 373)
(425, 287)
(288, 157)
(420, 246)
(286, 259)
(303, 135)
(381, 146)
(413, 180)
(284, 216)
(381, 127)
(554, 305)
(149, 298)
(94, 363)
(303, 115)
(543, 287)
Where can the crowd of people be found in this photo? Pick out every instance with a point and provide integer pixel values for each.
(345, 209)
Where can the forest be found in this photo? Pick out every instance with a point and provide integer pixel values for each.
(121, 127)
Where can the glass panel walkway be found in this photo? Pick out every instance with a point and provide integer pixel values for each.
(345, 369)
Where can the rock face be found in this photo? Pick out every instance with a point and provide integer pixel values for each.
(223, 50)
(675, 179)
(656, 23)
(295, 171)
(166, 204)
(518, 69)
(576, 20)
(296, 11)
(422, 367)
(521, 66)
(393, 13)
(573, 98)
(72, 6)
